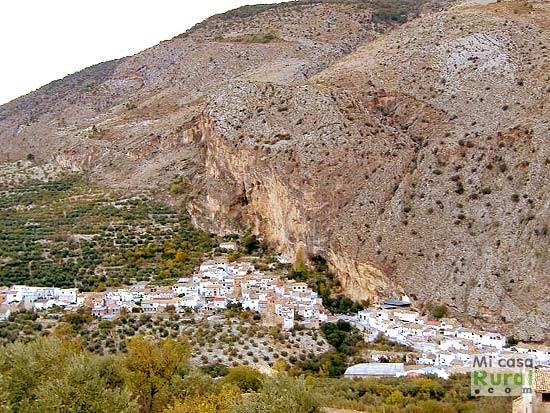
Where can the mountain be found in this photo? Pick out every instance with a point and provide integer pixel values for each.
(405, 143)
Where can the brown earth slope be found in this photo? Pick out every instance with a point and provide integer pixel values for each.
(413, 161)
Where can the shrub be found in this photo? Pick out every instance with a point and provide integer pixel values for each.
(282, 394)
(439, 311)
(245, 378)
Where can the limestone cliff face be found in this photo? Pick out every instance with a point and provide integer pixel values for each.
(262, 182)
(414, 158)
(243, 191)
(409, 180)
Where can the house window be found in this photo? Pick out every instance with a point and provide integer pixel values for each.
(546, 397)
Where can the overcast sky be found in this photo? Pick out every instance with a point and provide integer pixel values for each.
(44, 40)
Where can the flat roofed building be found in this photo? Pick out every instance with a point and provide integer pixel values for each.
(393, 303)
(375, 370)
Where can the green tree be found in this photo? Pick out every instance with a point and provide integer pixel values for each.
(251, 244)
(333, 364)
(343, 337)
(52, 375)
(78, 319)
(154, 372)
(395, 398)
(245, 378)
(439, 311)
(281, 395)
(82, 386)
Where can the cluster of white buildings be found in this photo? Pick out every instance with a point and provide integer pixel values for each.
(37, 298)
(442, 343)
(213, 287)
(217, 284)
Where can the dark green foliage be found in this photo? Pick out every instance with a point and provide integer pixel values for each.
(396, 11)
(325, 284)
(343, 337)
(236, 310)
(251, 244)
(511, 341)
(333, 364)
(346, 340)
(438, 311)
(383, 343)
(249, 38)
(216, 370)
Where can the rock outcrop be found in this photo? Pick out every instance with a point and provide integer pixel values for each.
(413, 158)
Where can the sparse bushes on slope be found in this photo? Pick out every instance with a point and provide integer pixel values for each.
(67, 233)
(249, 38)
(397, 11)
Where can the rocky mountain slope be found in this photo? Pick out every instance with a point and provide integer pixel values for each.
(413, 158)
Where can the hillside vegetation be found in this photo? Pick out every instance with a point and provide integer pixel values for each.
(68, 233)
(57, 375)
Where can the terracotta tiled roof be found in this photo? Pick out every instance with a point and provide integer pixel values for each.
(542, 381)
